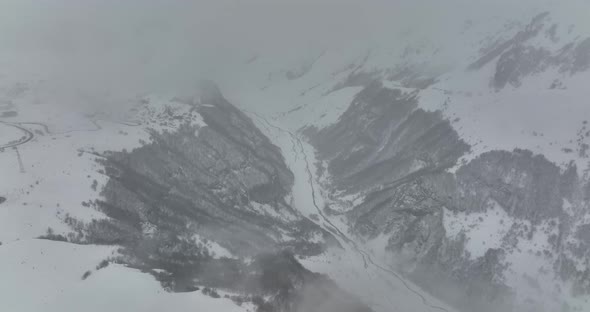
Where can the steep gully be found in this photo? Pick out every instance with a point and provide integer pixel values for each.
(367, 259)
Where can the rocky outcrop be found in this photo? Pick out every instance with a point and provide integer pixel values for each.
(224, 181)
(397, 156)
(519, 57)
(383, 137)
(217, 179)
(527, 186)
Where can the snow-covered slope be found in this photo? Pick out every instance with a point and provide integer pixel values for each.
(165, 194)
(502, 80)
(43, 275)
(49, 175)
(353, 266)
(444, 157)
(489, 88)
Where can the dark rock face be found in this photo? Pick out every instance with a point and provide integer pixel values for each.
(518, 58)
(297, 289)
(528, 32)
(525, 185)
(206, 180)
(383, 136)
(2, 199)
(397, 156)
(581, 56)
(517, 62)
(223, 182)
(412, 75)
(9, 114)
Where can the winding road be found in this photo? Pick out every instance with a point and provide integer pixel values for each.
(28, 135)
(367, 259)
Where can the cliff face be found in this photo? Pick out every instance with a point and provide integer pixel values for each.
(469, 227)
(207, 204)
(223, 179)
(383, 137)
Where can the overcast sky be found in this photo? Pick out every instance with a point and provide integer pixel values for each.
(150, 43)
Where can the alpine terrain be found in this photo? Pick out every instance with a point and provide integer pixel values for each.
(295, 157)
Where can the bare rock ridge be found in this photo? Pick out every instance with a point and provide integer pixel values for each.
(382, 136)
(221, 182)
(517, 57)
(398, 157)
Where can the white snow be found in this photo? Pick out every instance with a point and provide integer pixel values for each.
(382, 290)
(484, 230)
(529, 268)
(215, 250)
(9, 134)
(56, 180)
(60, 173)
(327, 109)
(41, 275)
(544, 121)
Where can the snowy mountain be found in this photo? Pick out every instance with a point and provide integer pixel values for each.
(200, 200)
(437, 163)
(471, 174)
